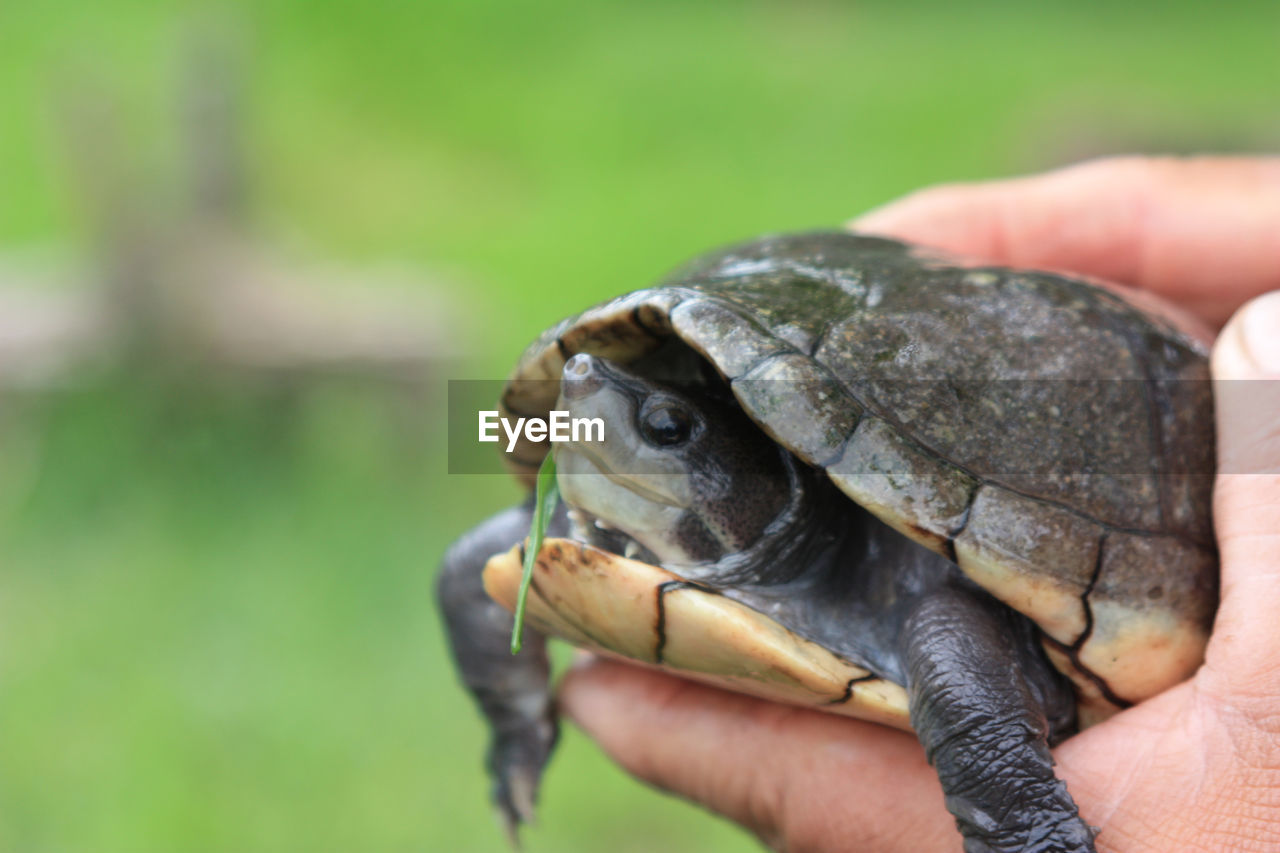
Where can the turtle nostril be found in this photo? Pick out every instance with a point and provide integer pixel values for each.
(581, 377)
(579, 365)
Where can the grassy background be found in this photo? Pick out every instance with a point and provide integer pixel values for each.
(216, 626)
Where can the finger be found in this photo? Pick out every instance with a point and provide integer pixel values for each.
(1201, 232)
(1246, 370)
(819, 781)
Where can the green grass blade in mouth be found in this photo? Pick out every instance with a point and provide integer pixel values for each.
(547, 494)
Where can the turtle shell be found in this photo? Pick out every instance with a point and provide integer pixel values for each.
(1040, 431)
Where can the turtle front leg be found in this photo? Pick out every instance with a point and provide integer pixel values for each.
(981, 708)
(513, 691)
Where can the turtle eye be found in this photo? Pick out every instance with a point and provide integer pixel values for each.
(666, 424)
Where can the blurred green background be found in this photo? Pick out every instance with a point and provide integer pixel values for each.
(216, 621)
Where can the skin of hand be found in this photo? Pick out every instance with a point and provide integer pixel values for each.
(1196, 768)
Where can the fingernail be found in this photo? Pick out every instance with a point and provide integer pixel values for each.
(1260, 332)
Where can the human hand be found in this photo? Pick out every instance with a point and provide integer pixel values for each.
(1196, 768)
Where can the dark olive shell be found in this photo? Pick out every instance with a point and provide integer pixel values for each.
(1040, 431)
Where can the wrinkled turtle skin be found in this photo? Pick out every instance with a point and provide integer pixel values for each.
(977, 506)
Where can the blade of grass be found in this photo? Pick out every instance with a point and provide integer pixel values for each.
(547, 494)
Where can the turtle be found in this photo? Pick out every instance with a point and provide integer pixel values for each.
(847, 472)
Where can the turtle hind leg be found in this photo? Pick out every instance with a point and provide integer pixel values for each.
(978, 703)
(512, 691)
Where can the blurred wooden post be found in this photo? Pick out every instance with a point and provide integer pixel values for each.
(190, 287)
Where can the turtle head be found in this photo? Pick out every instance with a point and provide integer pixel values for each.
(681, 476)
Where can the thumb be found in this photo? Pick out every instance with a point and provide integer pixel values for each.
(1246, 506)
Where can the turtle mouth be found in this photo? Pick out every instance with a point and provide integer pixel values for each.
(599, 533)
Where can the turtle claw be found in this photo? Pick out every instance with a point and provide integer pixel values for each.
(515, 797)
(516, 762)
(522, 787)
(510, 824)
(510, 829)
